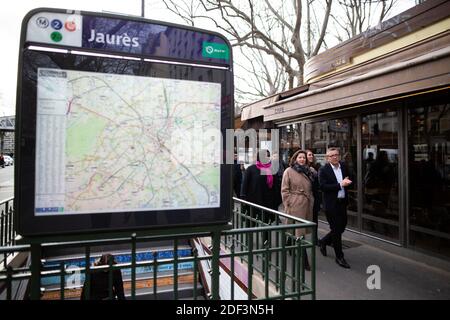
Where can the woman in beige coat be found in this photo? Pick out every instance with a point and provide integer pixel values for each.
(297, 191)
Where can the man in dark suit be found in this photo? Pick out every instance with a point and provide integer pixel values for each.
(334, 180)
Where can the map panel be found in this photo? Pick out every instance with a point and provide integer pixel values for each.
(115, 143)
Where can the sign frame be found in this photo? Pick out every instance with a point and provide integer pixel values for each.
(30, 225)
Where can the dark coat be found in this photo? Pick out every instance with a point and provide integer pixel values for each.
(99, 287)
(330, 186)
(254, 189)
(237, 178)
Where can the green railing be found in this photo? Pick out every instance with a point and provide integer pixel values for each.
(262, 259)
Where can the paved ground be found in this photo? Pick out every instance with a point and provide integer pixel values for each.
(405, 274)
(6, 182)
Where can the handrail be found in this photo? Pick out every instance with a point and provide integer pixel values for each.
(285, 215)
(261, 247)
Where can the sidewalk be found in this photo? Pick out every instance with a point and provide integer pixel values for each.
(405, 274)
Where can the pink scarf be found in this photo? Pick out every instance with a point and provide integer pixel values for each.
(265, 167)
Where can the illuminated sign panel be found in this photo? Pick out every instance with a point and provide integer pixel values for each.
(122, 130)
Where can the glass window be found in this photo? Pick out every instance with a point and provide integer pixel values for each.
(380, 214)
(316, 139)
(339, 133)
(290, 141)
(429, 177)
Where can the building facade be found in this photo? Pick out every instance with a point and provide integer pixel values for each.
(7, 125)
(383, 98)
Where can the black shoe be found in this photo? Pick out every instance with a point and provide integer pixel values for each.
(306, 261)
(342, 263)
(323, 248)
(307, 266)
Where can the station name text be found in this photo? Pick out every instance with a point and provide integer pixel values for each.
(119, 40)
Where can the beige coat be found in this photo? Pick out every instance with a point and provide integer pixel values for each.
(297, 195)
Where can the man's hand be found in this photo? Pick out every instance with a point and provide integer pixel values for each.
(346, 182)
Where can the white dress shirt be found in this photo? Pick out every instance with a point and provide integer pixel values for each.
(338, 173)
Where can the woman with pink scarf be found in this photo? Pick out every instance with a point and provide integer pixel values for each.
(260, 186)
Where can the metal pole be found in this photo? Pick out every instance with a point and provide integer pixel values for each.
(36, 252)
(143, 8)
(215, 274)
(133, 266)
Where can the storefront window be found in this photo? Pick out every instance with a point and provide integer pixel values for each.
(380, 211)
(290, 141)
(339, 133)
(429, 177)
(316, 139)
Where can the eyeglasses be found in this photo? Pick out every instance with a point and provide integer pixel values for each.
(334, 155)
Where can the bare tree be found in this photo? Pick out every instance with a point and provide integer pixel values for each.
(358, 15)
(261, 78)
(262, 26)
(188, 10)
(275, 38)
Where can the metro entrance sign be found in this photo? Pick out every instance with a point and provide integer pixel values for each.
(118, 35)
(117, 124)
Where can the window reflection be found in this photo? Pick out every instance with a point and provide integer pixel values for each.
(380, 178)
(339, 133)
(429, 177)
(290, 142)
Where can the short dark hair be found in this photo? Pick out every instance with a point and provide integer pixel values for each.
(104, 260)
(333, 149)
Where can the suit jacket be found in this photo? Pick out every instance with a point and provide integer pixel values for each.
(330, 186)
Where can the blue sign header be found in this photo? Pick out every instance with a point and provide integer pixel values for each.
(111, 34)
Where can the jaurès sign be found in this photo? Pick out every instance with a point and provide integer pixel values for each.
(126, 36)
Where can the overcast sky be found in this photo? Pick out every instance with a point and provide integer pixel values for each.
(12, 13)
(11, 16)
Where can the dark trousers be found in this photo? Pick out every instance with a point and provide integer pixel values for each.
(316, 221)
(338, 221)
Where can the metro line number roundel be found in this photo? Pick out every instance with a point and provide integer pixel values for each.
(70, 26)
(42, 22)
(56, 24)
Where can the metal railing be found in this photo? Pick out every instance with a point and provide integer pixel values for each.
(261, 257)
(7, 233)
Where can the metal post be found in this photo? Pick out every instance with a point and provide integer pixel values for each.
(283, 265)
(195, 272)
(133, 266)
(175, 269)
(155, 274)
(36, 253)
(62, 280)
(2, 229)
(232, 270)
(143, 8)
(215, 281)
(87, 274)
(9, 278)
(250, 266)
(313, 264)
(110, 278)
